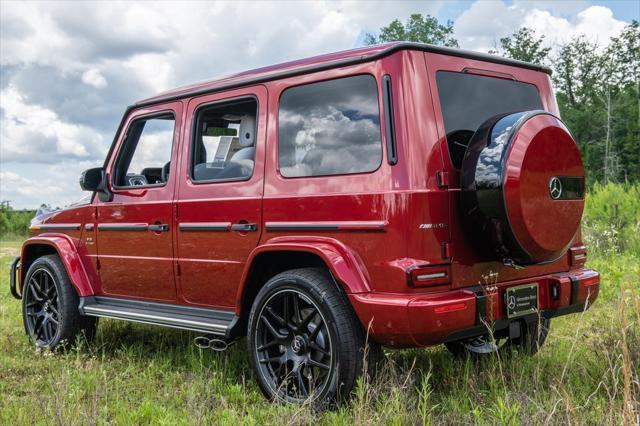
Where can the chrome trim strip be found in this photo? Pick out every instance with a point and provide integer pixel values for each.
(431, 276)
(327, 226)
(205, 227)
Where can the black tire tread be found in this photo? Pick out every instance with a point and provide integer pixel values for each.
(351, 335)
(72, 323)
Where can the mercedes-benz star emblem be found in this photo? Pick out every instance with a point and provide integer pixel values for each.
(511, 302)
(555, 188)
(297, 344)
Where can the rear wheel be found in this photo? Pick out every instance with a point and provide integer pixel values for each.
(50, 306)
(533, 334)
(304, 341)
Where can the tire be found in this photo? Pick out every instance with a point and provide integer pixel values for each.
(50, 306)
(532, 337)
(305, 343)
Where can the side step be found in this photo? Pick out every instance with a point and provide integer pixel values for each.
(168, 315)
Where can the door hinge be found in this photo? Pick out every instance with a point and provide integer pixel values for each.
(178, 270)
(98, 264)
(446, 250)
(442, 179)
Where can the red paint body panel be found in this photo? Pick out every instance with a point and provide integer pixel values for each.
(345, 265)
(542, 149)
(211, 263)
(370, 229)
(71, 258)
(139, 264)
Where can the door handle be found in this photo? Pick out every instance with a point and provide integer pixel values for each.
(158, 227)
(244, 227)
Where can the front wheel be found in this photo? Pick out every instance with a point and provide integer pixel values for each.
(50, 306)
(304, 341)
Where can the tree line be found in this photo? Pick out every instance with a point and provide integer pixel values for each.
(14, 222)
(597, 87)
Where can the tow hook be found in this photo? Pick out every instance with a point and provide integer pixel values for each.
(215, 344)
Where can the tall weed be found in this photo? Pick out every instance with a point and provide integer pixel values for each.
(612, 219)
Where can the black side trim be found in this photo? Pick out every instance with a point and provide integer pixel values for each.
(122, 227)
(575, 288)
(326, 226)
(301, 227)
(205, 227)
(59, 227)
(393, 48)
(389, 120)
(481, 307)
(13, 278)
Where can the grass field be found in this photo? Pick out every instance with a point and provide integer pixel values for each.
(587, 373)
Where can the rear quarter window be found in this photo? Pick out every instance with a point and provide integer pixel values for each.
(468, 100)
(330, 128)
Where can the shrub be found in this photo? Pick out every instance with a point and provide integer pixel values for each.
(612, 218)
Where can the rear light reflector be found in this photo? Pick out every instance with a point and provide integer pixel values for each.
(450, 308)
(425, 276)
(588, 282)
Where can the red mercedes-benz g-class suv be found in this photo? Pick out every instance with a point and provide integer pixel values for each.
(400, 195)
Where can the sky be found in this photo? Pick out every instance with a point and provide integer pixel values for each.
(68, 70)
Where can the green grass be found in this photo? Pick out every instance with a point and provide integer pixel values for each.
(587, 372)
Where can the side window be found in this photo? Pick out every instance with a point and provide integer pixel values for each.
(224, 146)
(330, 128)
(468, 100)
(145, 158)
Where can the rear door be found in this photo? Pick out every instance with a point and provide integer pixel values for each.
(466, 93)
(219, 207)
(134, 229)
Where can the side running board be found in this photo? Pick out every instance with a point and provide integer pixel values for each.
(211, 321)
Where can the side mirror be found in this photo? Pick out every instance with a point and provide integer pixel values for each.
(91, 179)
(95, 180)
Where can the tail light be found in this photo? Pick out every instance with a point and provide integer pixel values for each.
(577, 256)
(427, 276)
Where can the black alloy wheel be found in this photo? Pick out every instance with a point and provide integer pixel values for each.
(293, 345)
(305, 343)
(42, 315)
(50, 303)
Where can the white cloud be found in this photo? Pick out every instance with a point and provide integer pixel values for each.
(596, 23)
(70, 68)
(31, 133)
(55, 184)
(485, 22)
(92, 77)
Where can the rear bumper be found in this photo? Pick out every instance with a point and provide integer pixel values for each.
(409, 320)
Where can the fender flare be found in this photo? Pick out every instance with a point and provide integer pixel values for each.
(69, 256)
(344, 264)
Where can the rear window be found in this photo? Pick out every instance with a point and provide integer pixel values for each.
(330, 128)
(468, 100)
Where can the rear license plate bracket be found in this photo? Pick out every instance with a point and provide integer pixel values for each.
(521, 300)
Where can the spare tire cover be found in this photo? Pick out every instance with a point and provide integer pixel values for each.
(523, 187)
